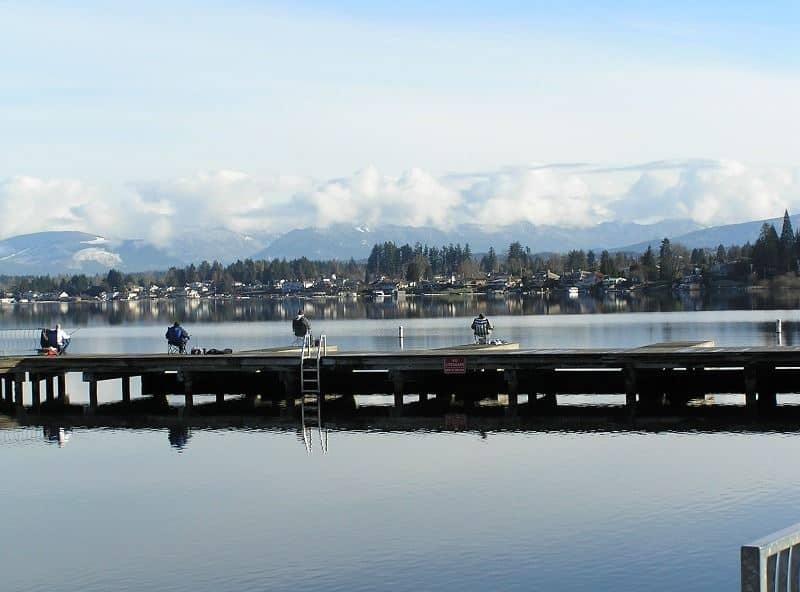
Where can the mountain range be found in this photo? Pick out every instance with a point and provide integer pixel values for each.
(69, 252)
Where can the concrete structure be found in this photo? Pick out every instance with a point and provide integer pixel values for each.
(772, 563)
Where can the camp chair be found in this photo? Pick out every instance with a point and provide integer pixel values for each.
(176, 347)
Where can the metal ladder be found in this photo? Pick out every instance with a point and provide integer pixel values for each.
(310, 392)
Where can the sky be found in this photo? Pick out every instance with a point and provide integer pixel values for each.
(132, 119)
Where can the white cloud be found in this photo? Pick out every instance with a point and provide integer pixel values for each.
(725, 192)
(416, 198)
(538, 195)
(29, 204)
(571, 195)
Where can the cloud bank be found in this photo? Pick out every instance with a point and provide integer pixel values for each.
(708, 192)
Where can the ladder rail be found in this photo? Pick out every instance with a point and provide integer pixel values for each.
(311, 356)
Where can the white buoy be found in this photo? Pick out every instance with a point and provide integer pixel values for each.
(777, 325)
(400, 335)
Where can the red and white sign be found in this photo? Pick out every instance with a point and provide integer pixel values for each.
(455, 365)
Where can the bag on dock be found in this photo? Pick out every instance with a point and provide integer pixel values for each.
(218, 352)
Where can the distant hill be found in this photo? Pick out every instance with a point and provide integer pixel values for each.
(710, 238)
(72, 252)
(343, 241)
(78, 252)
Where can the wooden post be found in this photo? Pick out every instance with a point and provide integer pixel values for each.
(62, 388)
(49, 388)
(19, 389)
(630, 389)
(767, 400)
(36, 397)
(8, 382)
(290, 384)
(397, 385)
(750, 388)
(220, 398)
(126, 389)
(512, 387)
(187, 390)
(93, 394)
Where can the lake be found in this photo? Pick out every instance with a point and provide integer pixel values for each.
(251, 509)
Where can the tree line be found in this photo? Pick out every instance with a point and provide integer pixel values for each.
(771, 255)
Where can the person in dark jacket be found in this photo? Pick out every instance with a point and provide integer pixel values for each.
(481, 327)
(177, 336)
(301, 325)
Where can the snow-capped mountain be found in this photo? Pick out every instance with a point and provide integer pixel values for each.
(71, 252)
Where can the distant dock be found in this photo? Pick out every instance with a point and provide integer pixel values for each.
(662, 378)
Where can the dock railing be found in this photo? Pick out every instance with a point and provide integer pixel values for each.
(772, 563)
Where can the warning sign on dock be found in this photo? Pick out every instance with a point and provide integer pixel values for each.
(455, 365)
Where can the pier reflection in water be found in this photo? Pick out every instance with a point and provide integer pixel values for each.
(456, 501)
(391, 509)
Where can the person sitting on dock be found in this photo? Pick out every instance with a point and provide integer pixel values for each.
(55, 339)
(481, 327)
(301, 326)
(177, 338)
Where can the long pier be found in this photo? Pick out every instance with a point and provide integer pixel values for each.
(655, 378)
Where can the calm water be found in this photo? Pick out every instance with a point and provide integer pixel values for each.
(252, 510)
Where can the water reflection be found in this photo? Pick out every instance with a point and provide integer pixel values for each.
(179, 437)
(408, 508)
(56, 435)
(164, 311)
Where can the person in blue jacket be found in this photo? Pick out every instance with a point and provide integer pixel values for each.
(177, 336)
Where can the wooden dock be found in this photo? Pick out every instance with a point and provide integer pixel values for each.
(664, 376)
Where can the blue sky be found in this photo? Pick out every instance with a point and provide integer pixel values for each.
(116, 95)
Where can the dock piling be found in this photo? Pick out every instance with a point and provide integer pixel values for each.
(397, 386)
(126, 389)
(188, 393)
(8, 388)
(36, 397)
(512, 388)
(19, 389)
(93, 393)
(62, 387)
(49, 388)
(631, 388)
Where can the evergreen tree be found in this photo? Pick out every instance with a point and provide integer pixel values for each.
(766, 252)
(786, 245)
(607, 264)
(648, 264)
(591, 261)
(114, 279)
(665, 261)
(489, 262)
(516, 258)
